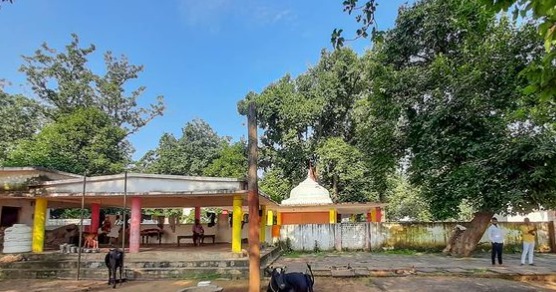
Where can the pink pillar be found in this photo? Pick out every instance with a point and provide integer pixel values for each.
(135, 228)
(197, 213)
(95, 217)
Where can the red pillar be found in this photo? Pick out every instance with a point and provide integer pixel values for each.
(378, 214)
(197, 213)
(95, 217)
(135, 228)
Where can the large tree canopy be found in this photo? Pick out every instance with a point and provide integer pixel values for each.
(83, 141)
(20, 118)
(63, 82)
(299, 116)
(191, 154)
(440, 100)
(450, 81)
(541, 74)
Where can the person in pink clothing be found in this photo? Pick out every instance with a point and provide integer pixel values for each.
(198, 233)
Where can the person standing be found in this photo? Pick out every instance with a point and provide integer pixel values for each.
(496, 236)
(528, 232)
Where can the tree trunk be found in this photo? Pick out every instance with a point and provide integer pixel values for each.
(463, 242)
(253, 202)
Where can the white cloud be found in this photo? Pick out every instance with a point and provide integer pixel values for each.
(212, 14)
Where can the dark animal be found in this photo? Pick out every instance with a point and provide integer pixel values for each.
(114, 259)
(290, 282)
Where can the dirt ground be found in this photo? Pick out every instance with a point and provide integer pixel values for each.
(413, 284)
(163, 286)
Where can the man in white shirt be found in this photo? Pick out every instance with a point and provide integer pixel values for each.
(496, 236)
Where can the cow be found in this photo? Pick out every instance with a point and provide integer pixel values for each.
(114, 259)
(290, 282)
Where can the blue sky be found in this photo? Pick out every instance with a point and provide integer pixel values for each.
(202, 56)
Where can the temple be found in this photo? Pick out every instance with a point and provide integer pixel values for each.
(310, 203)
(28, 193)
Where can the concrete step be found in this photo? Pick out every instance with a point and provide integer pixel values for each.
(65, 264)
(131, 274)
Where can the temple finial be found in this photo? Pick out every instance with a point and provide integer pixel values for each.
(311, 172)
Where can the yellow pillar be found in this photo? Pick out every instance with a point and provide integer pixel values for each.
(236, 224)
(269, 218)
(262, 224)
(279, 218)
(39, 221)
(332, 216)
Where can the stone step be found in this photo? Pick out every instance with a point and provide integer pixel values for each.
(130, 274)
(129, 264)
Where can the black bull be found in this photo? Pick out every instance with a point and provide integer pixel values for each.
(291, 282)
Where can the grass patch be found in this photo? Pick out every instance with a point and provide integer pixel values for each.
(298, 254)
(405, 251)
(208, 276)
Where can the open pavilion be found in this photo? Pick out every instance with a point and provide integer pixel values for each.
(28, 192)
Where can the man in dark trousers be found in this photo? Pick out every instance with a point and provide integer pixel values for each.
(496, 236)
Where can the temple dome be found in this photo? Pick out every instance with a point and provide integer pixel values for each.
(308, 192)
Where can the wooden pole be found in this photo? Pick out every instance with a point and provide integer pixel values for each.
(253, 203)
(124, 213)
(81, 226)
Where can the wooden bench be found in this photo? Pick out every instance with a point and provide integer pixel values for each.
(145, 234)
(180, 237)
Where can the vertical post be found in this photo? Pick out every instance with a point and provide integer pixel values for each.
(236, 224)
(135, 230)
(253, 202)
(81, 226)
(124, 212)
(373, 215)
(39, 221)
(269, 218)
(332, 216)
(95, 217)
(378, 214)
(197, 213)
(262, 233)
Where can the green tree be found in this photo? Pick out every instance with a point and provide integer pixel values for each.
(191, 154)
(85, 140)
(458, 93)
(299, 114)
(231, 162)
(405, 201)
(540, 74)
(342, 166)
(276, 184)
(63, 83)
(20, 120)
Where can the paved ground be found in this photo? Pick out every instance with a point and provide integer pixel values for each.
(410, 284)
(380, 264)
(335, 271)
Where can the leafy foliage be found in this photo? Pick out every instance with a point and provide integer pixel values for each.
(231, 162)
(298, 115)
(405, 201)
(191, 154)
(20, 120)
(364, 14)
(84, 141)
(342, 166)
(456, 98)
(541, 74)
(63, 83)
